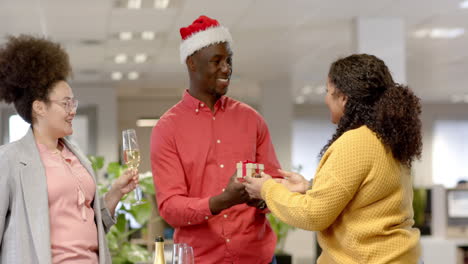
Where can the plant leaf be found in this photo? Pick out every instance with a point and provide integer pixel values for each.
(137, 253)
(121, 224)
(141, 212)
(281, 230)
(112, 240)
(147, 185)
(114, 169)
(97, 162)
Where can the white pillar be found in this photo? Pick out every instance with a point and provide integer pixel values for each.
(276, 106)
(384, 38)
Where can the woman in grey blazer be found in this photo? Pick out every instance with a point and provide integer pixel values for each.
(43, 169)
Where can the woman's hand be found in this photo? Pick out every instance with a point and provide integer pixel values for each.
(127, 182)
(293, 181)
(254, 185)
(124, 184)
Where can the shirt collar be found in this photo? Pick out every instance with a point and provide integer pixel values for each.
(65, 152)
(196, 104)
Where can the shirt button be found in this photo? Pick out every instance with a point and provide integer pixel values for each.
(206, 217)
(196, 110)
(188, 223)
(223, 189)
(214, 118)
(222, 165)
(218, 141)
(228, 240)
(202, 105)
(225, 216)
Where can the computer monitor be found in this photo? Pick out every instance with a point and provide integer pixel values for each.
(457, 207)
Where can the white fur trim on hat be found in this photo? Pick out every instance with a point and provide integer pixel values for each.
(203, 39)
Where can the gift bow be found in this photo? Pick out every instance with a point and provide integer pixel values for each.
(244, 168)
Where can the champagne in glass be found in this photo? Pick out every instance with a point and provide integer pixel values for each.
(131, 153)
(132, 158)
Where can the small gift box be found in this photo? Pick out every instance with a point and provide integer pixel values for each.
(250, 168)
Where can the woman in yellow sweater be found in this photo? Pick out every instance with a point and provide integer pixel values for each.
(361, 199)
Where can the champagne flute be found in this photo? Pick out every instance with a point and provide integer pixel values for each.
(175, 252)
(131, 155)
(186, 255)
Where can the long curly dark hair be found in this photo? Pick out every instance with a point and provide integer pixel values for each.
(389, 109)
(29, 69)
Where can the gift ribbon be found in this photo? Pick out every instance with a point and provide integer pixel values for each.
(244, 169)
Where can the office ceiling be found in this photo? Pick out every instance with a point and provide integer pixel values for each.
(294, 40)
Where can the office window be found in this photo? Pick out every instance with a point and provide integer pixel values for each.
(450, 152)
(17, 128)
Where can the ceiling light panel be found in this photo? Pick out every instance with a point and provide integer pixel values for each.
(439, 33)
(121, 58)
(148, 35)
(125, 35)
(140, 58)
(116, 76)
(133, 75)
(147, 122)
(134, 4)
(161, 4)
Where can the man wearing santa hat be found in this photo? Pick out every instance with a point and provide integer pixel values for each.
(194, 150)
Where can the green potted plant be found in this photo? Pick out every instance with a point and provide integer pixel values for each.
(122, 250)
(421, 220)
(281, 230)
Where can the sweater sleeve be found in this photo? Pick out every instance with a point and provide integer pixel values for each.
(341, 172)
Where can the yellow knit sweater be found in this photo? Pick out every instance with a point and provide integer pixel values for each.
(360, 202)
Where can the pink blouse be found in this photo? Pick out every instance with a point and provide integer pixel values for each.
(71, 189)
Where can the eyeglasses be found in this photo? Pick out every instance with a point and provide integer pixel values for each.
(68, 104)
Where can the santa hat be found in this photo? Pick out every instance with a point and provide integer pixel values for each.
(201, 33)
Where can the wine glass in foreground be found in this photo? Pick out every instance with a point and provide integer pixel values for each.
(131, 155)
(186, 255)
(175, 252)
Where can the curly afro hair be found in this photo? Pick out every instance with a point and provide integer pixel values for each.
(29, 68)
(389, 109)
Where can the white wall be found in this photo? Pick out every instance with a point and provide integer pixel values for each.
(277, 108)
(430, 113)
(301, 245)
(131, 109)
(311, 131)
(105, 100)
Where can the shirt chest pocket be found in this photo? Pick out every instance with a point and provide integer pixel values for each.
(193, 154)
(242, 148)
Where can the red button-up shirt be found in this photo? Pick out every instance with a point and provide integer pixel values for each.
(193, 155)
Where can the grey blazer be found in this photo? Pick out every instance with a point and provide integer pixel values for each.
(24, 208)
